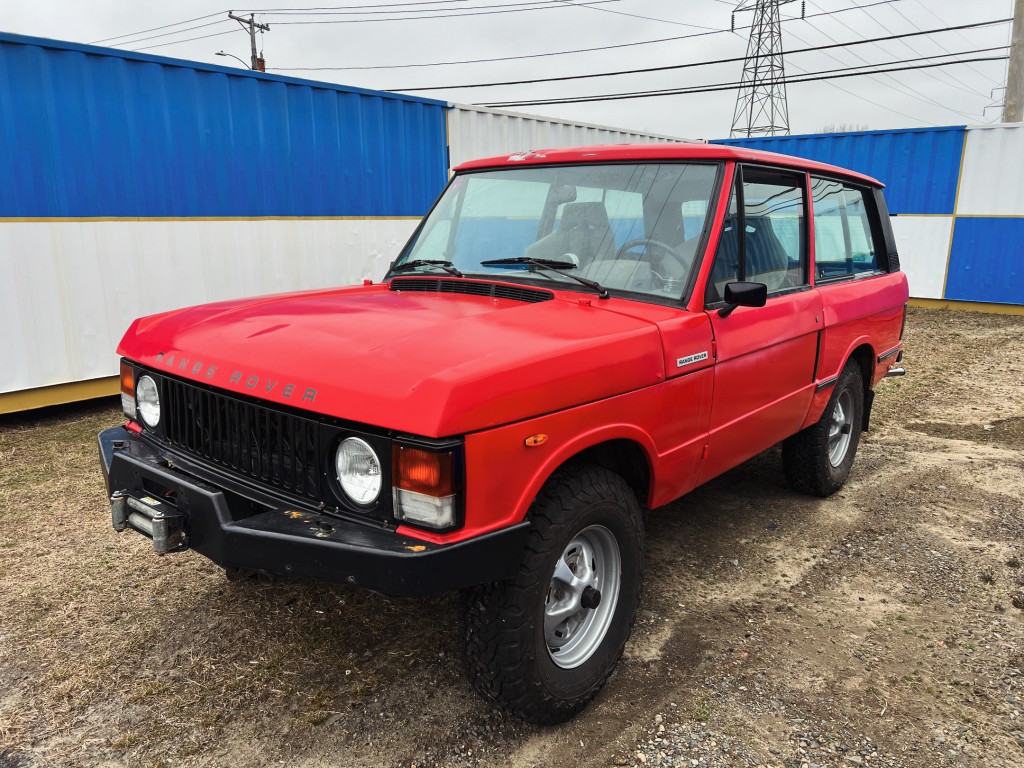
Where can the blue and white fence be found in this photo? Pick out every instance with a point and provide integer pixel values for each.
(956, 196)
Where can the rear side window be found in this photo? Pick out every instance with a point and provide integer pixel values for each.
(844, 244)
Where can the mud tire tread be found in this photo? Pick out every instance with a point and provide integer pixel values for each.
(805, 455)
(498, 619)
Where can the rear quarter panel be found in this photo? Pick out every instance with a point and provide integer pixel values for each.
(868, 311)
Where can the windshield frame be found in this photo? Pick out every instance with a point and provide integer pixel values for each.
(538, 279)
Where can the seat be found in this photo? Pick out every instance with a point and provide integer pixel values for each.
(583, 231)
(767, 261)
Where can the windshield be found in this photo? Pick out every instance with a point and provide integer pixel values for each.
(632, 227)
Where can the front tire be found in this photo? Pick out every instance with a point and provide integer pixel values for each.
(542, 644)
(819, 458)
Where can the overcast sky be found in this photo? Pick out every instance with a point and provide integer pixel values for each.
(405, 35)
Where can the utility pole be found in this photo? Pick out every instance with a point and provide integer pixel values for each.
(761, 105)
(1013, 103)
(258, 62)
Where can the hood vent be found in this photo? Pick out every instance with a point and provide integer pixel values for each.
(472, 287)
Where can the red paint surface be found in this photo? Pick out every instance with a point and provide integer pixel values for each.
(424, 363)
(655, 152)
(763, 378)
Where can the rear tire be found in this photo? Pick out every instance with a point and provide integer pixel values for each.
(541, 645)
(819, 458)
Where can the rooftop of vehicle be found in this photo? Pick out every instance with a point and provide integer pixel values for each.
(656, 152)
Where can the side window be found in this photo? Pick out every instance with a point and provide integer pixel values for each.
(765, 245)
(844, 245)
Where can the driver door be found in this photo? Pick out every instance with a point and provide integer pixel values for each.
(764, 356)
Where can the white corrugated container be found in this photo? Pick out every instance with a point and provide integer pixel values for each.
(71, 288)
(475, 132)
(991, 181)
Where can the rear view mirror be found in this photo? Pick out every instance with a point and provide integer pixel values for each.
(743, 294)
(563, 193)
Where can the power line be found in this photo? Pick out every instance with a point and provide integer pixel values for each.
(348, 7)
(952, 77)
(154, 29)
(731, 60)
(814, 76)
(349, 10)
(186, 40)
(856, 95)
(549, 4)
(895, 84)
(912, 49)
(638, 16)
(552, 5)
(175, 32)
(674, 38)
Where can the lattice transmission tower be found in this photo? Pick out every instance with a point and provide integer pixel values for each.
(761, 108)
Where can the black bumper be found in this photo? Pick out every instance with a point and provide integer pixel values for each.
(288, 540)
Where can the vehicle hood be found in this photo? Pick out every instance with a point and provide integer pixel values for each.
(431, 364)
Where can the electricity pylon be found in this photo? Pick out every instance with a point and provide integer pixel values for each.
(761, 108)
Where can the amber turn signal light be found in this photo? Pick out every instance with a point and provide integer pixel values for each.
(128, 390)
(422, 471)
(127, 379)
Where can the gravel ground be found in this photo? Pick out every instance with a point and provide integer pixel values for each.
(882, 626)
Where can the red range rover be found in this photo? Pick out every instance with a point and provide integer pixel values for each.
(570, 337)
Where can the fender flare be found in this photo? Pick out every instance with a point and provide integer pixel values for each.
(579, 443)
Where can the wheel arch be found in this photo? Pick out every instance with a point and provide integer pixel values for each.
(624, 457)
(864, 356)
(627, 452)
(863, 353)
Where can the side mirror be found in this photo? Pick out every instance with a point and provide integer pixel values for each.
(741, 294)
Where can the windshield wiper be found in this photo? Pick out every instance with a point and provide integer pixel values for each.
(447, 266)
(554, 266)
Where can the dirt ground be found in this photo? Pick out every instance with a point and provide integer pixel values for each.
(882, 626)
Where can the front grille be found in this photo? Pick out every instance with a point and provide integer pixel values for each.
(472, 287)
(275, 448)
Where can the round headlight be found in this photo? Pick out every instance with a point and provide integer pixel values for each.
(358, 470)
(148, 398)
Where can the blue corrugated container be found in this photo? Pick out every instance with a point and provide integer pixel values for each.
(919, 166)
(90, 131)
(985, 261)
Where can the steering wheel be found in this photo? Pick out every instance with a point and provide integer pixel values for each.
(657, 252)
(666, 250)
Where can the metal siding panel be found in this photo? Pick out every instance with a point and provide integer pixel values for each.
(90, 132)
(918, 166)
(68, 290)
(923, 243)
(986, 263)
(992, 183)
(475, 133)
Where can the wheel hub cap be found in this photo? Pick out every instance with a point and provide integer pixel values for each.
(582, 596)
(840, 428)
